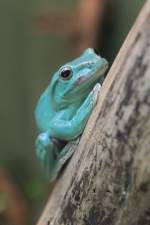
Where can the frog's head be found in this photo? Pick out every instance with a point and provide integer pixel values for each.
(73, 81)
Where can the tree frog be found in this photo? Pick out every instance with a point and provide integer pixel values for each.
(64, 108)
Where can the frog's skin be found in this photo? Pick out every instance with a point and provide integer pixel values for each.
(64, 108)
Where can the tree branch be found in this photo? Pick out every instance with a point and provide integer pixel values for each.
(107, 181)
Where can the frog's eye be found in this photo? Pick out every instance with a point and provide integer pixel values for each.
(65, 73)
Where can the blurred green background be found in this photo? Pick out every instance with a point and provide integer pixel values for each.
(29, 54)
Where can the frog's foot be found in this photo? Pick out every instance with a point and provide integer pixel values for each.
(95, 93)
(68, 150)
(42, 142)
(66, 153)
(91, 100)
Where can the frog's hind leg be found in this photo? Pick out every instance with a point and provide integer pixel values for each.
(53, 154)
(43, 143)
(47, 150)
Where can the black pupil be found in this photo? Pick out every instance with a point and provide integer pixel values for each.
(65, 73)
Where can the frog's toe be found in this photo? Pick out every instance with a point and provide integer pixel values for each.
(95, 93)
(96, 88)
(92, 98)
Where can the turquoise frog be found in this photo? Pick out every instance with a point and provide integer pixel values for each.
(64, 108)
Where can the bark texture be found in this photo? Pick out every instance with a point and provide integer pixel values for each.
(107, 181)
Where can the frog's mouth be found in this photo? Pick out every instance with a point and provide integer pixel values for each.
(91, 77)
(85, 82)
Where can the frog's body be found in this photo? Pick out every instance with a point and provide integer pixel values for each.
(64, 108)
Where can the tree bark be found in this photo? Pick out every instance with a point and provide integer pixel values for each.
(107, 181)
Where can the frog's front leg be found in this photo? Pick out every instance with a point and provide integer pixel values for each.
(68, 130)
(82, 115)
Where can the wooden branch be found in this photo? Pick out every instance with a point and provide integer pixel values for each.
(107, 181)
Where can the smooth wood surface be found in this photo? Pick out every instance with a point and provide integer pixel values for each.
(107, 181)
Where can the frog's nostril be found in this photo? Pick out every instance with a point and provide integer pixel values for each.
(96, 51)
